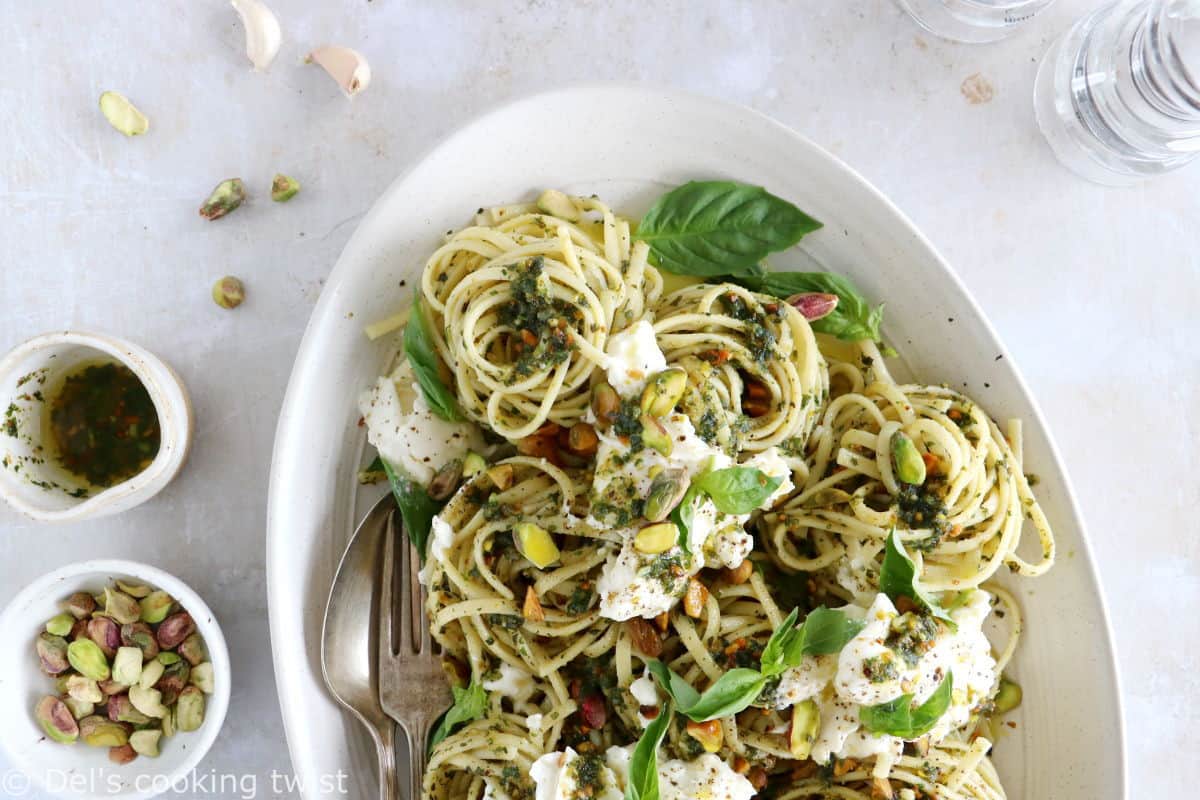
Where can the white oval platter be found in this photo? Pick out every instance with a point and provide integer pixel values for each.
(627, 144)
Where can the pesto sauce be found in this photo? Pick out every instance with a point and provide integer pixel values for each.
(761, 338)
(544, 320)
(104, 425)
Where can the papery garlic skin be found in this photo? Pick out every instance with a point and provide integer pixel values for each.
(348, 67)
(263, 35)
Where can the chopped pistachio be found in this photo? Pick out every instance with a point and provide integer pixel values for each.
(284, 188)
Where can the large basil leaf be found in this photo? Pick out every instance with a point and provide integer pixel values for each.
(416, 506)
(469, 704)
(418, 346)
(852, 319)
(737, 490)
(734, 691)
(899, 718)
(643, 764)
(714, 228)
(825, 632)
(898, 578)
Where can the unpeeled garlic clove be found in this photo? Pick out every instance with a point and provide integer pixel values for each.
(262, 32)
(346, 66)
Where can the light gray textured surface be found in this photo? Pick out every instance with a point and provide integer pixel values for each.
(1094, 290)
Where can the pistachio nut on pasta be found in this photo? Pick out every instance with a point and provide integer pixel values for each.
(692, 543)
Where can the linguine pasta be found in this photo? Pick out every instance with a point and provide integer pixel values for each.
(555, 338)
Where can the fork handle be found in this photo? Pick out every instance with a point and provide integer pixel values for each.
(385, 747)
(417, 732)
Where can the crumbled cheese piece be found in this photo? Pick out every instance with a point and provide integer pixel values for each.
(633, 356)
(406, 433)
(771, 463)
(440, 539)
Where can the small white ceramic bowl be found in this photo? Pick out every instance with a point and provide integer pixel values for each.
(30, 480)
(80, 772)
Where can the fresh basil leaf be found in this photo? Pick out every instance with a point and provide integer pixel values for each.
(737, 490)
(684, 515)
(680, 690)
(898, 578)
(416, 506)
(643, 764)
(713, 228)
(852, 319)
(899, 718)
(827, 631)
(823, 632)
(469, 704)
(772, 661)
(418, 346)
(733, 691)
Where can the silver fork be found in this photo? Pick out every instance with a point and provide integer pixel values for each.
(412, 685)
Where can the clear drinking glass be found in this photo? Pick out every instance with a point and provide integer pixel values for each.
(975, 21)
(1118, 96)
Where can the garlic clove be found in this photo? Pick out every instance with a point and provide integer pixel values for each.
(122, 114)
(263, 36)
(346, 66)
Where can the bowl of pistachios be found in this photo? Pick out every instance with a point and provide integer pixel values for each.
(114, 682)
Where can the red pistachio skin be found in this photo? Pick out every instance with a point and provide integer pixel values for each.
(814, 305)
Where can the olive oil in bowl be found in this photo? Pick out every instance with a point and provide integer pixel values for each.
(102, 427)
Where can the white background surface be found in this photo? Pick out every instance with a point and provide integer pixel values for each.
(1095, 291)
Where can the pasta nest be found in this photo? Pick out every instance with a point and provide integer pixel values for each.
(522, 307)
(756, 377)
(964, 522)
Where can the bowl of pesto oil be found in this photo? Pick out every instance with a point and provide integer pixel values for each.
(90, 425)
